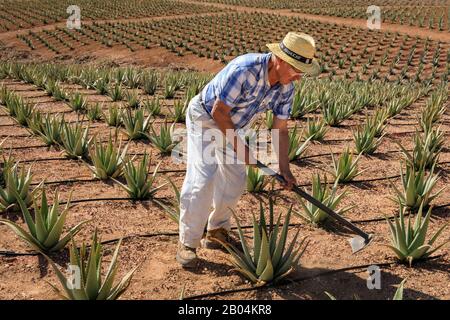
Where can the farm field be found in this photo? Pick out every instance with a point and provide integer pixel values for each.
(120, 85)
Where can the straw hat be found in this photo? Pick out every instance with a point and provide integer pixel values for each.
(298, 50)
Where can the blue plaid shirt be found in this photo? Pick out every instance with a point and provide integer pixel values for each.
(244, 86)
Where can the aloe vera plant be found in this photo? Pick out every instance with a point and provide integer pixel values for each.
(115, 92)
(172, 209)
(417, 187)
(163, 140)
(365, 140)
(92, 286)
(378, 122)
(150, 82)
(78, 102)
(52, 130)
(132, 98)
(179, 111)
(256, 180)
(23, 112)
(153, 106)
(328, 196)
(296, 147)
(345, 168)
(268, 118)
(75, 140)
(426, 150)
(114, 116)
(139, 186)
(107, 160)
(17, 184)
(94, 113)
(270, 258)
(45, 232)
(136, 125)
(409, 241)
(315, 129)
(34, 122)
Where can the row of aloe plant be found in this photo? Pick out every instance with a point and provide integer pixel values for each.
(44, 234)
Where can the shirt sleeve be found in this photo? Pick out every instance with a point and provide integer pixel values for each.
(231, 85)
(283, 109)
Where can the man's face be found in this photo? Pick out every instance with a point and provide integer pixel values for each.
(288, 73)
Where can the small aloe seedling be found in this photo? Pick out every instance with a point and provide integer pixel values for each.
(139, 185)
(365, 140)
(173, 208)
(78, 102)
(132, 98)
(52, 130)
(163, 140)
(256, 180)
(179, 111)
(408, 241)
(270, 258)
(94, 113)
(114, 116)
(108, 160)
(115, 92)
(417, 187)
(328, 196)
(17, 185)
(92, 285)
(153, 106)
(426, 150)
(315, 130)
(345, 168)
(75, 140)
(296, 147)
(136, 125)
(45, 231)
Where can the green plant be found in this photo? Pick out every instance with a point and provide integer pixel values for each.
(136, 125)
(107, 160)
(92, 286)
(426, 150)
(150, 82)
(45, 231)
(268, 118)
(179, 111)
(173, 208)
(345, 168)
(34, 122)
(139, 186)
(377, 121)
(163, 141)
(52, 130)
(17, 184)
(132, 98)
(315, 130)
(94, 113)
(408, 241)
(114, 116)
(365, 141)
(75, 140)
(416, 187)
(115, 92)
(296, 147)
(269, 259)
(328, 196)
(256, 180)
(78, 102)
(153, 106)
(23, 112)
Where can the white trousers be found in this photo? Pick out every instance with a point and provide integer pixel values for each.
(213, 185)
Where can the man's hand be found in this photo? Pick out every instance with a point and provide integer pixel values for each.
(289, 178)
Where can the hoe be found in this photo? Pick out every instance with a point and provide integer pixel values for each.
(357, 243)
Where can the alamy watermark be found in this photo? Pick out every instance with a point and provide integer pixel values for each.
(374, 17)
(74, 19)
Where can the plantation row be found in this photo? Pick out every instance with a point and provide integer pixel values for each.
(424, 14)
(30, 13)
(262, 263)
(342, 51)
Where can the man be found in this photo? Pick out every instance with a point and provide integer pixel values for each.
(248, 85)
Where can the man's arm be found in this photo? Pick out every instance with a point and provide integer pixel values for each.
(221, 115)
(282, 149)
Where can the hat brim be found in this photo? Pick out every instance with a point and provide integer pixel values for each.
(312, 69)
